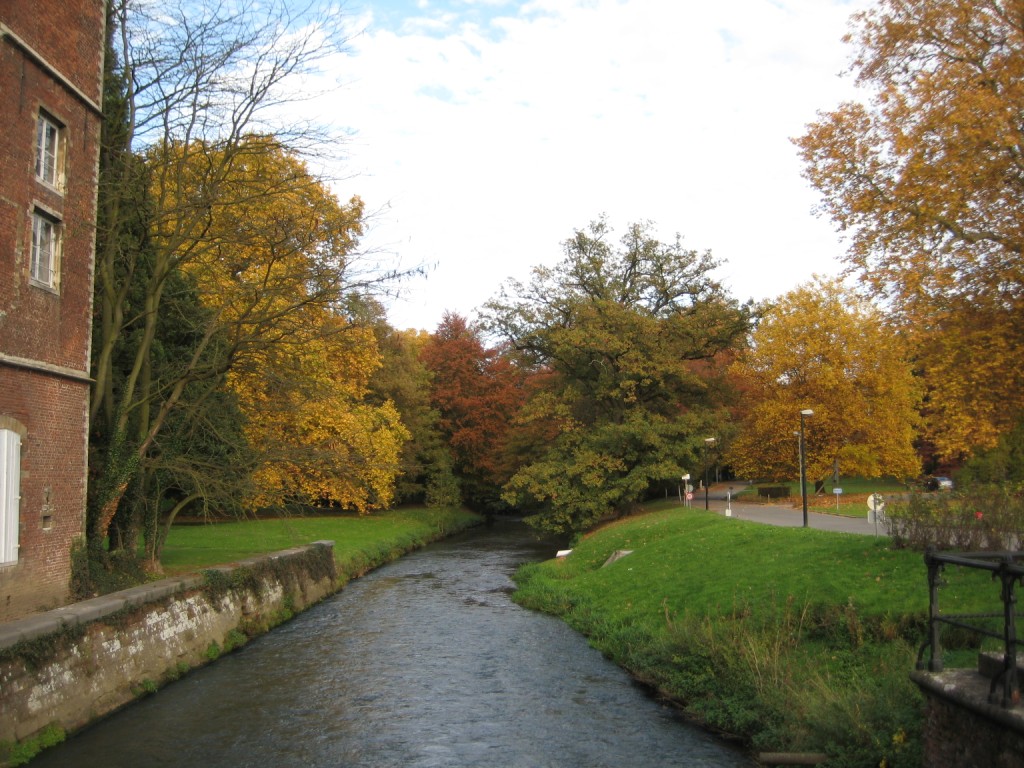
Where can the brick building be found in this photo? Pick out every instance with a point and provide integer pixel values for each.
(51, 68)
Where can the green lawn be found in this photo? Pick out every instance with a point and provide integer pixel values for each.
(707, 564)
(360, 541)
(792, 639)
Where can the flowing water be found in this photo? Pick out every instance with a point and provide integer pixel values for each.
(424, 663)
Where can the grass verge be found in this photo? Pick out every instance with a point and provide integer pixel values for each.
(361, 542)
(787, 639)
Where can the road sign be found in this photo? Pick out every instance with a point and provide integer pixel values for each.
(876, 508)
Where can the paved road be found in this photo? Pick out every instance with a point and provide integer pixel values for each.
(776, 514)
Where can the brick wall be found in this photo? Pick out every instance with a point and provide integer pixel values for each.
(959, 738)
(67, 33)
(51, 412)
(50, 62)
(35, 323)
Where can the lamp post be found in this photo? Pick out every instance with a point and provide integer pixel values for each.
(803, 461)
(708, 442)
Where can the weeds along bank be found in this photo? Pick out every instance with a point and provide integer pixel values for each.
(789, 639)
(63, 669)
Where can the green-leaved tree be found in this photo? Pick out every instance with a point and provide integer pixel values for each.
(624, 332)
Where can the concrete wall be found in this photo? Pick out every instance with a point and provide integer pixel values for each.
(72, 665)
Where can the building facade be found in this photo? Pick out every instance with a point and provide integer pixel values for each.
(51, 71)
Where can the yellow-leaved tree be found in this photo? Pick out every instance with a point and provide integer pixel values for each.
(187, 189)
(319, 438)
(822, 348)
(927, 180)
(274, 274)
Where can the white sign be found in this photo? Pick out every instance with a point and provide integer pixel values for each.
(837, 491)
(876, 508)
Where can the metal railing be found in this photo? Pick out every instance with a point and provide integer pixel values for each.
(1008, 568)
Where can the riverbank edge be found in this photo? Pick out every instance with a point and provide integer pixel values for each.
(64, 669)
(654, 666)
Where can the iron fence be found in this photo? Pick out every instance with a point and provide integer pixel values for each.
(1008, 569)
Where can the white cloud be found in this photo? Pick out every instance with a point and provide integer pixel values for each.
(492, 130)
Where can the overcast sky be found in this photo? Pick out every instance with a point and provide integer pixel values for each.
(484, 132)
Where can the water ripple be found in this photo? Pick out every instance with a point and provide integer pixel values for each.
(426, 663)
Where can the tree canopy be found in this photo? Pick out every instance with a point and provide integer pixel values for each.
(619, 332)
(478, 393)
(822, 348)
(927, 180)
(225, 271)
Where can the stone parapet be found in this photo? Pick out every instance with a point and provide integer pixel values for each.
(72, 665)
(962, 728)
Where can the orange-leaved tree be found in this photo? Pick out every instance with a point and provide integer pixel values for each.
(478, 392)
(319, 439)
(927, 180)
(822, 348)
(426, 474)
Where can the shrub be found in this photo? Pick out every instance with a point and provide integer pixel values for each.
(773, 491)
(986, 518)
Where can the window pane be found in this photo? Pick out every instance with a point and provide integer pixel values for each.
(10, 494)
(47, 145)
(43, 242)
(40, 137)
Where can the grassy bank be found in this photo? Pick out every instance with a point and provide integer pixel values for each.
(361, 542)
(788, 639)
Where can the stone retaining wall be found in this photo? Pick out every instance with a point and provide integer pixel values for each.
(73, 665)
(962, 728)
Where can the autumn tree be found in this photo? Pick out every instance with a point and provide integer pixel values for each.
(823, 348)
(478, 392)
(186, 85)
(426, 473)
(299, 351)
(619, 330)
(320, 439)
(927, 181)
(1002, 465)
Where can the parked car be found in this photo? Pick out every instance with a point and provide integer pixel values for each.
(938, 483)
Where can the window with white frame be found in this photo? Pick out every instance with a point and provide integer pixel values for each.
(49, 154)
(45, 260)
(10, 494)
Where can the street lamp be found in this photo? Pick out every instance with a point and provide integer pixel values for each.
(803, 461)
(708, 442)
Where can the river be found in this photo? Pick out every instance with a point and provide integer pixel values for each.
(424, 663)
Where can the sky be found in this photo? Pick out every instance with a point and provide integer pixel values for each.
(483, 133)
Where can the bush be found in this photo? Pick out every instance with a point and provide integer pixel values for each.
(986, 518)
